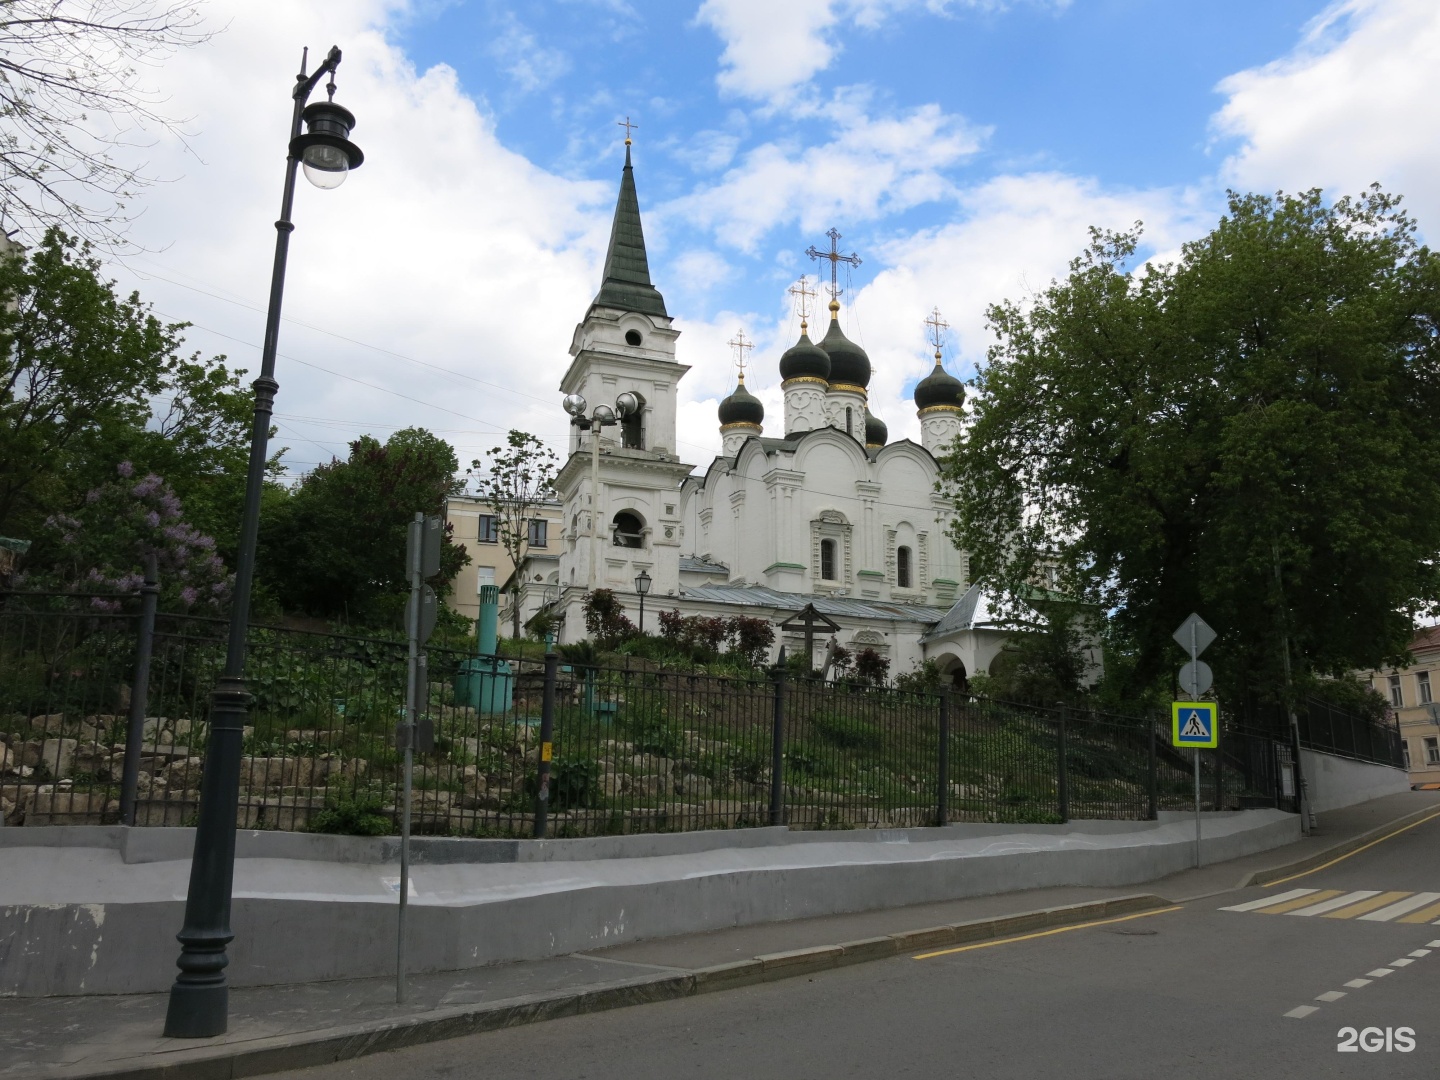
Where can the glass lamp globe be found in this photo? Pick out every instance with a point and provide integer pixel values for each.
(604, 414)
(574, 404)
(325, 166)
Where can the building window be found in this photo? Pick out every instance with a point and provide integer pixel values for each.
(1422, 688)
(539, 531)
(627, 530)
(1405, 746)
(849, 420)
(1397, 698)
(902, 567)
(484, 575)
(827, 559)
(489, 530)
(1432, 751)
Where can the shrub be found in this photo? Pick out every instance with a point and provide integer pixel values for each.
(872, 668)
(650, 730)
(849, 733)
(357, 816)
(605, 618)
(925, 678)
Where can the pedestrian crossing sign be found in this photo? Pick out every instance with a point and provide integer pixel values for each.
(1195, 723)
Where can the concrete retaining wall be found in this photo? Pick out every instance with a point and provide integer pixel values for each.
(1338, 781)
(79, 920)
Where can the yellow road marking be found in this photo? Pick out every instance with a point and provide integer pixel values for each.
(1385, 899)
(1423, 915)
(1045, 933)
(1342, 858)
(1300, 902)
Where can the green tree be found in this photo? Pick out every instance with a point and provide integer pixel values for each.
(89, 378)
(1247, 432)
(336, 545)
(520, 477)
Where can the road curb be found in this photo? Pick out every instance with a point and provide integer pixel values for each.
(1335, 851)
(280, 1053)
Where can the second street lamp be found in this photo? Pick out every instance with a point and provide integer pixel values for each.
(200, 997)
(642, 586)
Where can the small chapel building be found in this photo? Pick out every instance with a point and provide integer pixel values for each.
(825, 511)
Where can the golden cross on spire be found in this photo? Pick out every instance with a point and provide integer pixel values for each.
(803, 295)
(627, 125)
(739, 344)
(935, 331)
(835, 260)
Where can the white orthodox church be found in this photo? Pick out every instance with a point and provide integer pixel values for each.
(826, 511)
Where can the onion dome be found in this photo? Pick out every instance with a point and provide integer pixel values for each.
(805, 360)
(849, 366)
(939, 389)
(741, 407)
(876, 433)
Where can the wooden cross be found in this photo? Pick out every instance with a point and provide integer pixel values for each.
(808, 619)
(936, 327)
(627, 125)
(803, 295)
(739, 344)
(835, 260)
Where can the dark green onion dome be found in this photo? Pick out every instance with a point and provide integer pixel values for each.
(939, 389)
(876, 433)
(625, 282)
(849, 366)
(805, 360)
(741, 407)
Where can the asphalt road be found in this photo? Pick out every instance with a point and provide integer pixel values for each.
(1196, 991)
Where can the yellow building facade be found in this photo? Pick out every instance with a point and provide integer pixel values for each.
(1413, 692)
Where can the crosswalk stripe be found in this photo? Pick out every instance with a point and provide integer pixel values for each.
(1266, 901)
(1429, 914)
(1352, 910)
(1291, 905)
(1338, 902)
(1385, 914)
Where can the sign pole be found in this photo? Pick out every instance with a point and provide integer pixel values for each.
(407, 730)
(1194, 657)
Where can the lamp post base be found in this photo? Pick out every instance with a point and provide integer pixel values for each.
(197, 1012)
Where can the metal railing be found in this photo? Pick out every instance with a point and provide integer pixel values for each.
(1332, 730)
(635, 748)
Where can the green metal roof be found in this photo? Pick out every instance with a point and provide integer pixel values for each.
(625, 284)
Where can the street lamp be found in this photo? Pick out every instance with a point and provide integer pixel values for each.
(199, 998)
(603, 416)
(642, 586)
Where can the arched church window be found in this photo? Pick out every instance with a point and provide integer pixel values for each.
(902, 567)
(632, 428)
(628, 531)
(849, 420)
(632, 337)
(827, 559)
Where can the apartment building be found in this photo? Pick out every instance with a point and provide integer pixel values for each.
(475, 524)
(1414, 693)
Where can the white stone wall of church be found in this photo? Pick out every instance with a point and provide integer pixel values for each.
(938, 431)
(805, 407)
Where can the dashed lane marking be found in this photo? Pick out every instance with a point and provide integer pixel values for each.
(1401, 963)
(1356, 984)
(1301, 1011)
(1379, 973)
(1331, 995)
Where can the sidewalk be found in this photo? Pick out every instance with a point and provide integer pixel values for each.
(275, 1028)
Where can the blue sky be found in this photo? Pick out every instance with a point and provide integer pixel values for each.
(962, 147)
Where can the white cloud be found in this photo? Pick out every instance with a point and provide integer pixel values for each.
(444, 247)
(772, 48)
(1357, 101)
(524, 59)
(871, 167)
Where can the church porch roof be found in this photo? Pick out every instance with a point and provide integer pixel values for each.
(845, 607)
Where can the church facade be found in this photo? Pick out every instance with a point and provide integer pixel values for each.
(826, 510)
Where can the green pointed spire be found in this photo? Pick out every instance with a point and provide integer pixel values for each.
(626, 282)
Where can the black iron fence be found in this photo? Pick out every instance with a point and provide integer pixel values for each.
(1335, 731)
(635, 748)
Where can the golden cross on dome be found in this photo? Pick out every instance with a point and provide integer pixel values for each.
(739, 344)
(803, 295)
(936, 327)
(627, 125)
(835, 260)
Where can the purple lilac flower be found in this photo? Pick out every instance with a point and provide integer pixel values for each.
(92, 496)
(169, 505)
(147, 487)
(188, 595)
(152, 519)
(125, 469)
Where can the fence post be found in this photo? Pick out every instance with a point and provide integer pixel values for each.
(942, 794)
(1062, 773)
(139, 691)
(1153, 780)
(777, 748)
(547, 731)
